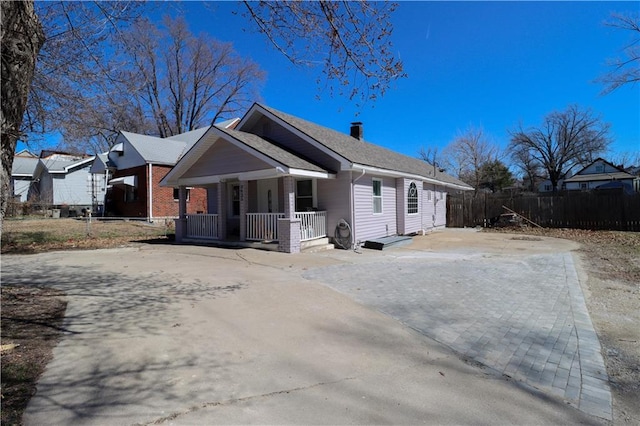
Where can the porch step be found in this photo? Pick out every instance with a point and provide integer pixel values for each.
(316, 245)
(387, 242)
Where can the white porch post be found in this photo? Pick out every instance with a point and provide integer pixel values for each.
(181, 221)
(244, 208)
(289, 226)
(222, 210)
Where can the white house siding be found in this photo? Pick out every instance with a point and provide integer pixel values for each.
(224, 157)
(294, 143)
(367, 224)
(334, 198)
(72, 188)
(408, 223)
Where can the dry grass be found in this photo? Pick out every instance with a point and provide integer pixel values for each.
(38, 235)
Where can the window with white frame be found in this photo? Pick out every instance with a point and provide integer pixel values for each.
(377, 196)
(412, 199)
(428, 195)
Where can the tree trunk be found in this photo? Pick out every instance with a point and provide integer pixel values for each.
(21, 39)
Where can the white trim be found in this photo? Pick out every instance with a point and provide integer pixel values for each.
(309, 173)
(397, 174)
(150, 192)
(253, 175)
(125, 180)
(374, 196)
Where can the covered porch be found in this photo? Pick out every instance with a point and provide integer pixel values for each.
(256, 190)
(280, 211)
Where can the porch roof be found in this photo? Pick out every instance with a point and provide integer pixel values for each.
(282, 162)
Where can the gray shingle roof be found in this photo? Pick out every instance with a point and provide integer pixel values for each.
(272, 151)
(156, 150)
(62, 166)
(365, 153)
(24, 166)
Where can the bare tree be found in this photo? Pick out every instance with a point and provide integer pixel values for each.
(468, 152)
(21, 37)
(75, 71)
(564, 140)
(350, 39)
(626, 69)
(185, 82)
(530, 169)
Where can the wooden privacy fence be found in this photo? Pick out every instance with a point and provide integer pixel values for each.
(583, 210)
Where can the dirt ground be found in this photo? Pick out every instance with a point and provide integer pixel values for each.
(31, 318)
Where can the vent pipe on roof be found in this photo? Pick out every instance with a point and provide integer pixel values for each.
(357, 131)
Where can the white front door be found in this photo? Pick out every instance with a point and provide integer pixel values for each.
(268, 196)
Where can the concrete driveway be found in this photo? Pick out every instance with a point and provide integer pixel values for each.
(198, 335)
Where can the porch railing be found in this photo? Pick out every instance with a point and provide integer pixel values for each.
(263, 226)
(260, 226)
(203, 226)
(312, 225)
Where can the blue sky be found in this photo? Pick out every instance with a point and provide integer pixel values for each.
(489, 64)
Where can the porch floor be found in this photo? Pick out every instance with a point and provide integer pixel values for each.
(387, 242)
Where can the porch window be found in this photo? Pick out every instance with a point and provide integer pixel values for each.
(304, 195)
(377, 196)
(176, 194)
(412, 199)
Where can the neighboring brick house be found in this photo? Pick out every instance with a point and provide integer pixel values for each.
(133, 169)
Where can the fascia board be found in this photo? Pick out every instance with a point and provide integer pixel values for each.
(397, 174)
(312, 174)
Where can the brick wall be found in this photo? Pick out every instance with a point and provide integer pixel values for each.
(163, 202)
(116, 204)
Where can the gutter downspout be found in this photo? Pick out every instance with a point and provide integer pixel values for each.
(352, 207)
(150, 193)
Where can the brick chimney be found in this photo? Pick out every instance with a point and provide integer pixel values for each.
(357, 131)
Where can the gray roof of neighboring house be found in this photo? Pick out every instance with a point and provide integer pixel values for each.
(156, 150)
(190, 137)
(63, 166)
(272, 151)
(361, 152)
(24, 166)
(170, 149)
(599, 176)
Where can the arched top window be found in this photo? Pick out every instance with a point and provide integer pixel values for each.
(412, 199)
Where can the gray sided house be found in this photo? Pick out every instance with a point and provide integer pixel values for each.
(277, 177)
(23, 176)
(65, 180)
